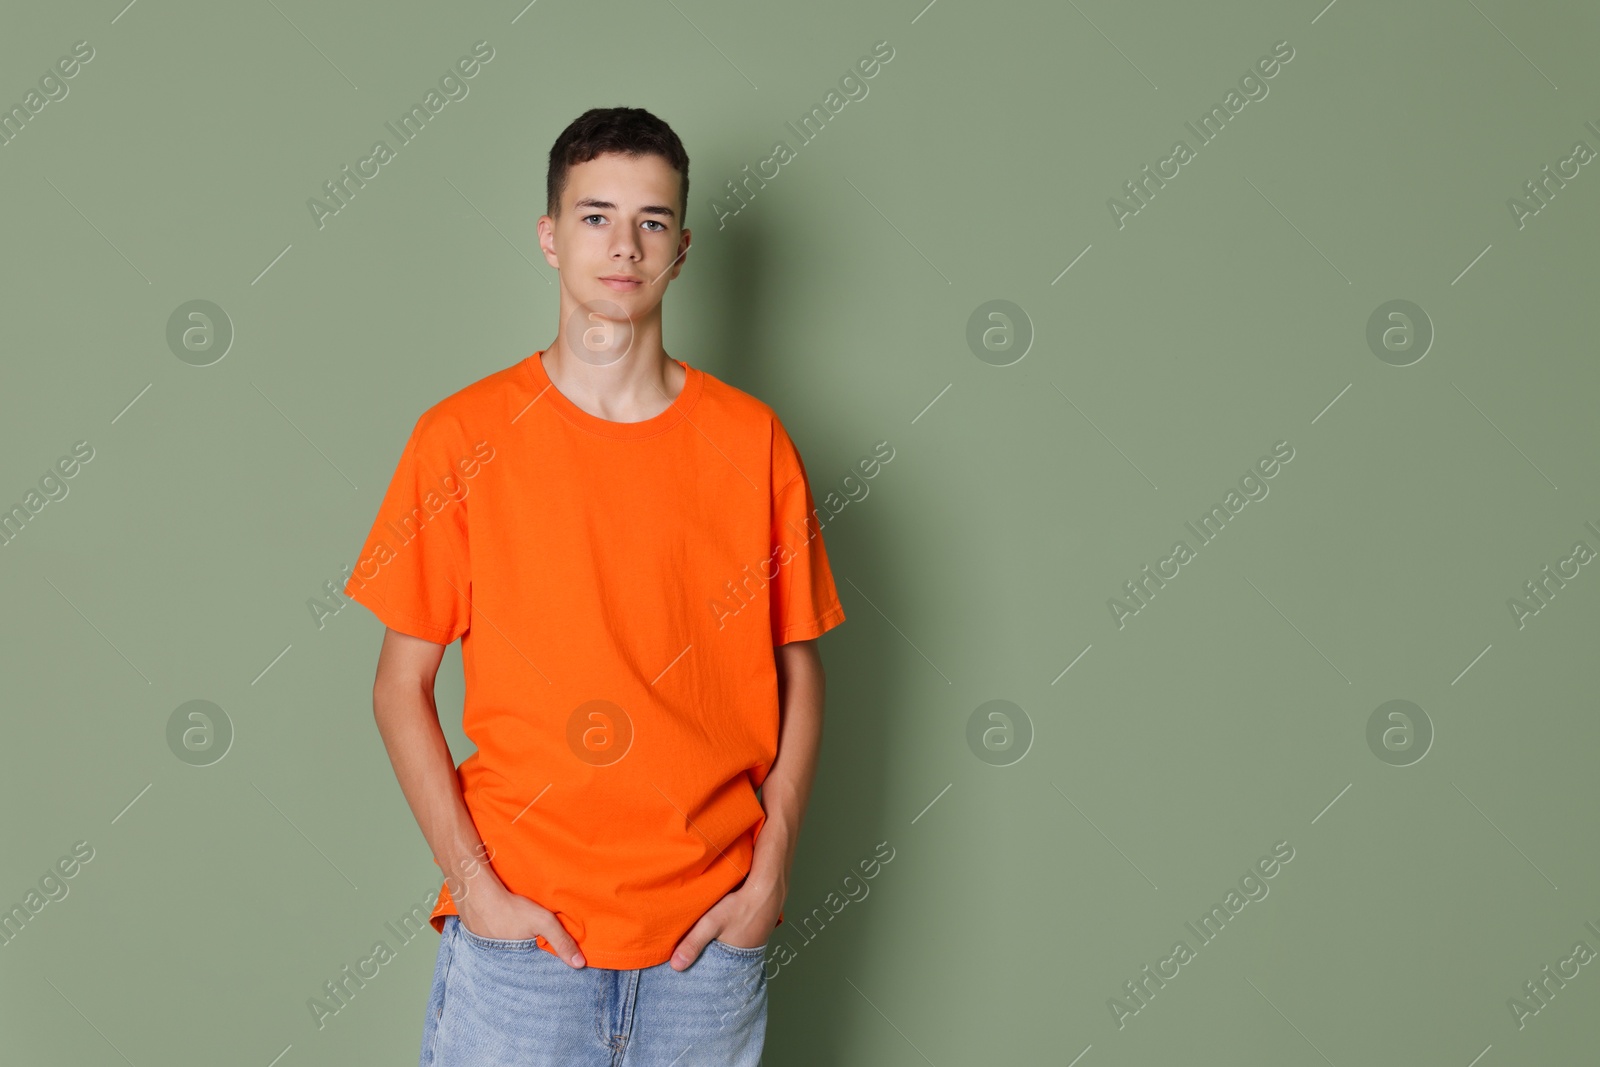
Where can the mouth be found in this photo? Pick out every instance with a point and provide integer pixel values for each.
(622, 283)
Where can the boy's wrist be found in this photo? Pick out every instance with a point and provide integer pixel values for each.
(472, 876)
(482, 892)
(772, 886)
(769, 869)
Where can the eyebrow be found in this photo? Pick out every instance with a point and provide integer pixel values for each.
(649, 209)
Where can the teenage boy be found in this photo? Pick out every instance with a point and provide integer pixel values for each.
(625, 546)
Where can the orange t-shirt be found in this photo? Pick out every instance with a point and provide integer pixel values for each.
(618, 589)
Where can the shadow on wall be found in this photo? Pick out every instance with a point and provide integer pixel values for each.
(846, 817)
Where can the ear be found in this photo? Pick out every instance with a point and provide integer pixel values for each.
(547, 241)
(683, 252)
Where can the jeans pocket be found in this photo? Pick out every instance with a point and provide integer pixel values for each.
(499, 943)
(743, 953)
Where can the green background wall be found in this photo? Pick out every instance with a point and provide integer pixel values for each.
(1434, 872)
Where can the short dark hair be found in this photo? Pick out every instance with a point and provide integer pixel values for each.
(632, 131)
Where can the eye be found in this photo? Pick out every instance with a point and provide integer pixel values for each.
(586, 218)
(653, 222)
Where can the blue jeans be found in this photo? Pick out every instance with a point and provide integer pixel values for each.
(505, 1003)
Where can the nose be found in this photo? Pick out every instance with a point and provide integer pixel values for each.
(626, 244)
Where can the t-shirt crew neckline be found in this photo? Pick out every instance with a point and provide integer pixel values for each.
(693, 381)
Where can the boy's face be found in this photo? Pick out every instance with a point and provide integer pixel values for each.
(619, 220)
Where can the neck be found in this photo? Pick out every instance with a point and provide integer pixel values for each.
(629, 388)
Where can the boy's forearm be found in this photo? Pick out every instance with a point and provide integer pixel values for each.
(786, 790)
(408, 721)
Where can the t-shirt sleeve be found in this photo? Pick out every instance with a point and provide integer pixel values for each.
(414, 570)
(805, 603)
